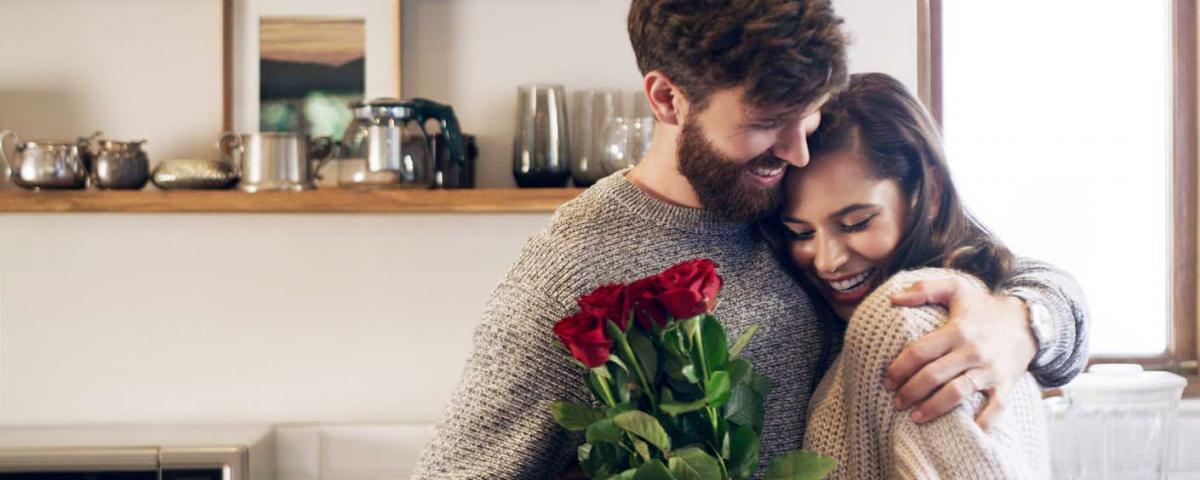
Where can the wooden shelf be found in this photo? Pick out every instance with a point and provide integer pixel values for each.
(329, 200)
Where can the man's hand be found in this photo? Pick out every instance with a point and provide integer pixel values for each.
(986, 345)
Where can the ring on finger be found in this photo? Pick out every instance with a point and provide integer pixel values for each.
(975, 385)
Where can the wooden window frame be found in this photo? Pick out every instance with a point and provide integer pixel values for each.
(1182, 343)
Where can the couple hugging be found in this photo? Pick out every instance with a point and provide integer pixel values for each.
(902, 338)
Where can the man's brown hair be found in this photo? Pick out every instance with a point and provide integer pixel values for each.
(786, 53)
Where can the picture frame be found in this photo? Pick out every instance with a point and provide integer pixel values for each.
(325, 26)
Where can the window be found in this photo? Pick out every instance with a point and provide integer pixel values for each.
(1070, 129)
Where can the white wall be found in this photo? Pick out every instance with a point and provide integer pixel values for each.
(270, 318)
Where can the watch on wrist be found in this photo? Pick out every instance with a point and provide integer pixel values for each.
(1041, 321)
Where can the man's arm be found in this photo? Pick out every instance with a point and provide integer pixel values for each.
(498, 422)
(1063, 359)
(988, 342)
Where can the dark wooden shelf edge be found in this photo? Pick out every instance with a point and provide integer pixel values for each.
(330, 200)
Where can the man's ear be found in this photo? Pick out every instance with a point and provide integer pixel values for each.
(666, 100)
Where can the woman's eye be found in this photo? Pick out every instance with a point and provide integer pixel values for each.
(799, 236)
(858, 227)
(765, 126)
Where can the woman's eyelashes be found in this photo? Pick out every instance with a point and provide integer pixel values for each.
(805, 235)
(858, 226)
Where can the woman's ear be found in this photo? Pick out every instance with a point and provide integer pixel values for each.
(666, 100)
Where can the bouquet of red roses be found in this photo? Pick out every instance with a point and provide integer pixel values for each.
(677, 401)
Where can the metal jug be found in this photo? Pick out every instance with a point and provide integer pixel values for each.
(46, 164)
(387, 145)
(276, 160)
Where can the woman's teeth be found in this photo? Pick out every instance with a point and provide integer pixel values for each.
(768, 171)
(852, 282)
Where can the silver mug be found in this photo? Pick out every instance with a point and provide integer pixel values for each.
(46, 164)
(276, 160)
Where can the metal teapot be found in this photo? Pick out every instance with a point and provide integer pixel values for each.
(387, 145)
(48, 164)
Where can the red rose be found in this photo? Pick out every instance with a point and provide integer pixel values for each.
(641, 299)
(690, 288)
(583, 334)
(607, 301)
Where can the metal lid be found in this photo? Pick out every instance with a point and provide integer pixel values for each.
(385, 107)
(1113, 381)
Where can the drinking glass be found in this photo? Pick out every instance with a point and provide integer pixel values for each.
(594, 110)
(541, 150)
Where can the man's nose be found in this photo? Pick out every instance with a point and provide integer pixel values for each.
(792, 146)
(830, 256)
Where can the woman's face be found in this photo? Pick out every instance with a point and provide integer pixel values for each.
(842, 225)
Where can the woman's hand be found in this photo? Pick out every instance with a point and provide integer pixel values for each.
(986, 345)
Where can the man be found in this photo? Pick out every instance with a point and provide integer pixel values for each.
(736, 86)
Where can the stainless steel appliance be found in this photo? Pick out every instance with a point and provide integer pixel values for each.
(137, 453)
(46, 164)
(276, 160)
(388, 146)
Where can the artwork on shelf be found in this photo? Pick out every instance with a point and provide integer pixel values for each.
(295, 65)
(310, 68)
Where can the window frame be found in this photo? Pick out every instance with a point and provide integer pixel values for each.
(1180, 355)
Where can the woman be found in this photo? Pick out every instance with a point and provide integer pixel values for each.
(874, 212)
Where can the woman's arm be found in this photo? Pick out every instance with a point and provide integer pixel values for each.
(950, 446)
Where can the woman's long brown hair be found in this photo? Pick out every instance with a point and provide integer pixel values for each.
(899, 140)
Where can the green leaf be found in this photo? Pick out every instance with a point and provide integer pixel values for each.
(618, 408)
(599, 460)
(739, 370)
(673, 367)
(760, 384)
(625, 386)
(617, 361)
(604, 431)
(585, 451)
(574, 416)
(799, 465)
(677, 408)
(717, 388)
(689, 372)
(716, 347)
(694, 462)
(626, 475)
(647, 354)
(681, 470)
(642, 449)
(642, 425)
(745, 407)
(743, 452)
(742, 341)
(653, 470)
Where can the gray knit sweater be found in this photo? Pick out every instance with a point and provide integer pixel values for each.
(497, 424)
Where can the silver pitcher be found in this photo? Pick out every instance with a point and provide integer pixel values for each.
(46, 164)
(276, 160)
(118, 165)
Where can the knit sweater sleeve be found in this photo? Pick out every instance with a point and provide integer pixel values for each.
(951, 446)
(498, 423)
(1067, 355)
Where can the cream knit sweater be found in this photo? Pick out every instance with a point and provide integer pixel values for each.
(852, 420)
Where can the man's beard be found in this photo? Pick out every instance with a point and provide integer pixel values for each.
(718, 181)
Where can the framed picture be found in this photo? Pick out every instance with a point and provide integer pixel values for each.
(295, 65)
